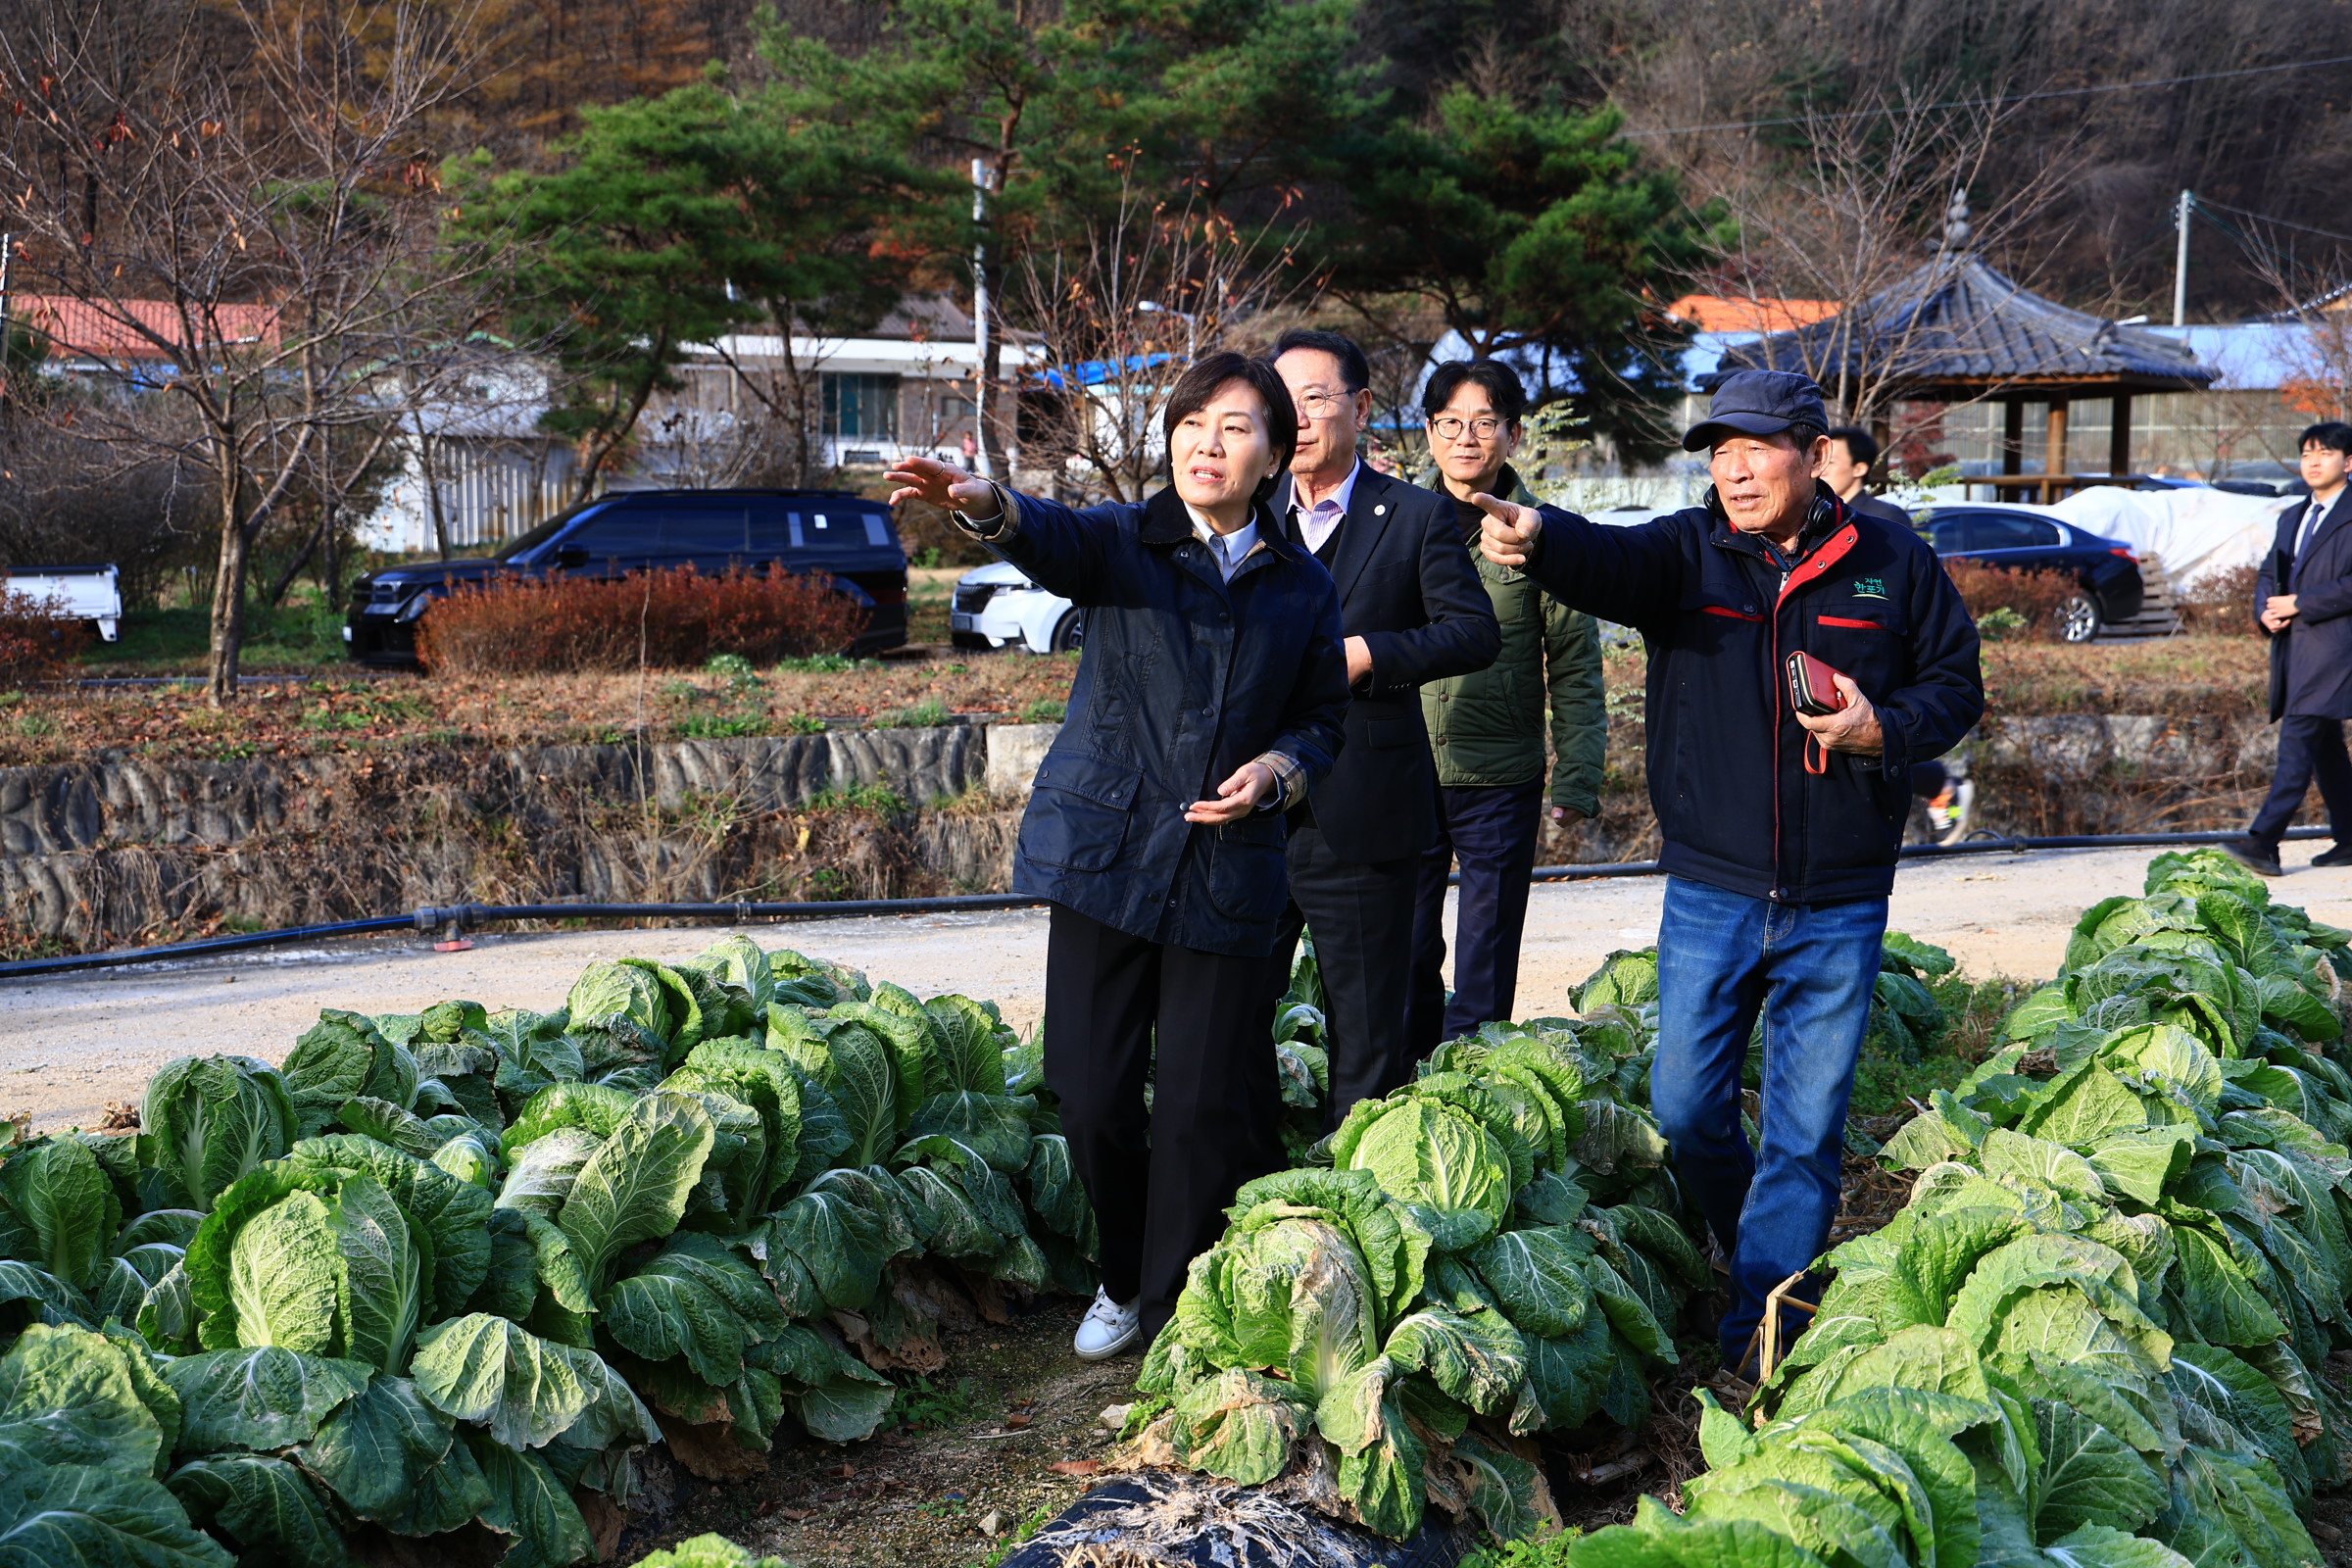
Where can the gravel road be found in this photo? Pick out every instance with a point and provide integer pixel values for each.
(71, 1044)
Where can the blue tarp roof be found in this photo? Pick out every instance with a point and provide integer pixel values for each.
(1094, 372)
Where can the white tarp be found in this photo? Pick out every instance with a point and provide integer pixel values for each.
(2196, 531)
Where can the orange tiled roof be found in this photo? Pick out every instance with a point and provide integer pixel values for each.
(78, 329)
(1716, 313)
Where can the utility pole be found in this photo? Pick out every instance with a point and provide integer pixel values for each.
(980, 384)
(7, 254)
(2180, 261)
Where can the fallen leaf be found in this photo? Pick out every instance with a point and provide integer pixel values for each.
(1016, 1422)
(846, 1471)
(796, 1515)
(1075, 1467)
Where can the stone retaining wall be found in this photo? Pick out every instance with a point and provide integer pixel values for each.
(117, 847)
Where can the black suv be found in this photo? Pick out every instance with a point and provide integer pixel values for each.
(2021, 539)
(846, 537)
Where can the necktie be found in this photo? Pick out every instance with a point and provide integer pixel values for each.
(2313, 515)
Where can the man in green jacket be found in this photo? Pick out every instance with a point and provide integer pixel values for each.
(1487, 728)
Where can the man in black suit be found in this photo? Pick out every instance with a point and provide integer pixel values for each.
(1413, 609)
(2303, 599)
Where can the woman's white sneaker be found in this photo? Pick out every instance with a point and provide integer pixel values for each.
(1108, 1328)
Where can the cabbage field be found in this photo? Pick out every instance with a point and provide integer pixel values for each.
(457, 1271)
(2095, 1335)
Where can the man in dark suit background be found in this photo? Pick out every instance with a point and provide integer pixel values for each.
(1412, 609)
(2303, 599)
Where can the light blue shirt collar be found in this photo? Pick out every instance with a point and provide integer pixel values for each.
(1230, 549)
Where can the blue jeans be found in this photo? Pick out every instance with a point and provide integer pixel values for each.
(1809, 968)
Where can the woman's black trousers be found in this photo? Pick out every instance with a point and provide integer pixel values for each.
(1159, 1180)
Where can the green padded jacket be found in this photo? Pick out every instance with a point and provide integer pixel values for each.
(1488, 728)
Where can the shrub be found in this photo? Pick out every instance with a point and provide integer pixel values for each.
(2036, 596)
(2219, 602)
(673, 619)
(36, 643)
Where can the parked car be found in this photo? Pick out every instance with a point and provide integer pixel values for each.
(2026, 539)
(848, 538)
(995, 606)
(91, 595)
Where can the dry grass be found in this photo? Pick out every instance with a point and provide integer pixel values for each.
(2175, 676)
(328, 716)
(667, 619)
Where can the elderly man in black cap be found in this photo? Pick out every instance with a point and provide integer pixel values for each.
(1803, 657)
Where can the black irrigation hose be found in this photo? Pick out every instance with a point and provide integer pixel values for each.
(1982, 841)
(470, 916)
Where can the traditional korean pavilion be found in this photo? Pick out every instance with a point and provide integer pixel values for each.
(1957, 332)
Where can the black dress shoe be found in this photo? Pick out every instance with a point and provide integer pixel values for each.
(2255, 858)
(2341, 854)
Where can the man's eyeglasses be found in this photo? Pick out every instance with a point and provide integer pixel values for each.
(1445, 427)
(1322, 405)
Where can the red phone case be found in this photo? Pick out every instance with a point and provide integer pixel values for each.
(1813, 686)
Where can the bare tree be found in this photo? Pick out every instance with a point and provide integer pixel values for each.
(1117, 314)
(262, 220)
(1868, 217)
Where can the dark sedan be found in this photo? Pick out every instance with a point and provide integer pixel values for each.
(2022, 539)
(847, 538)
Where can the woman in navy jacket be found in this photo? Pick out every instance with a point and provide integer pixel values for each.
(1209, 698)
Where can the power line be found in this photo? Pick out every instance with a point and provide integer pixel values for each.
(1976, 103)
(2281, 222)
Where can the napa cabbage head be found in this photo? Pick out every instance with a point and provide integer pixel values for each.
(207, 1120)
(312, 1259)
(1439, 1160)
(1301, 1298)
(623, 990)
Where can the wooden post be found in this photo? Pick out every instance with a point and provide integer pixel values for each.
(2053, 451)
(2013, 439)
(2119, 435)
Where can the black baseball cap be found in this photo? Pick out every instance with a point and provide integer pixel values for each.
(1758, 403)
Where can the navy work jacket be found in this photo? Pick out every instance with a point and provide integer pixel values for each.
(1185, 677)
(1736, 806)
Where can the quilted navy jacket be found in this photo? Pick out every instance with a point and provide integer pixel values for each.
(1721, 610)
(1185, 677)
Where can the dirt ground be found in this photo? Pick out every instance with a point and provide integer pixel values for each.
(971, 1462)
(71, 1044)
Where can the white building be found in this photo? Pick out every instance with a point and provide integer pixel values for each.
(905, 387)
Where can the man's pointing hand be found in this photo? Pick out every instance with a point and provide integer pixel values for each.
(1508, 533)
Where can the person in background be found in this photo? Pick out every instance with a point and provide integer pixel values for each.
(1413, 611)
(1207, 701)
(1487, 728)
(2301, 597)
(1854, 458)
(1949, 793)
(1781, 826)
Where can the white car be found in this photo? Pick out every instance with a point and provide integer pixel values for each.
(997, 606)
(93, 595)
